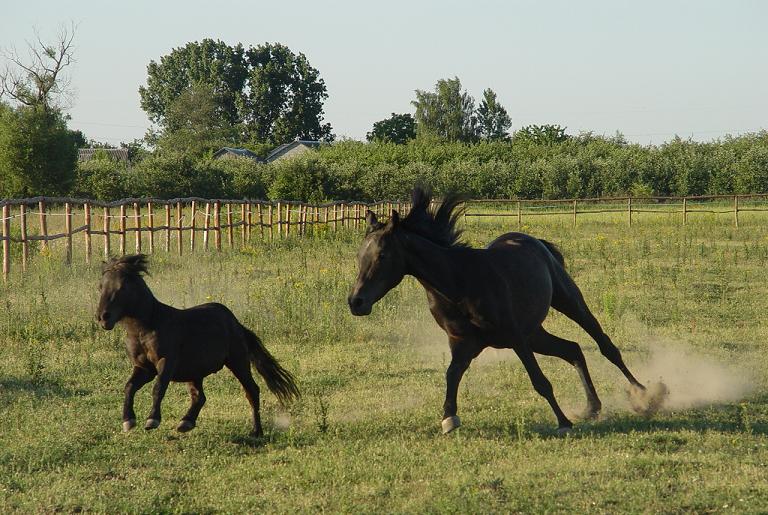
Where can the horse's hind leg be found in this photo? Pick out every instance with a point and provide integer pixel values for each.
(242, 371)
(189, 420)
(542, 342)
(542, 385)
(568, 300)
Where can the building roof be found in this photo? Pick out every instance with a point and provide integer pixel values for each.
(283, 149)
(236, 152)
(118, 154)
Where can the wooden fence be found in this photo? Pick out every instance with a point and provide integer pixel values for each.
(35, 222)
(41, 220)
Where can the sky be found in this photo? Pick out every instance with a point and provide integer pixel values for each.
(650, 69)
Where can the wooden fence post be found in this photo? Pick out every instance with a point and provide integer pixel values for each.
(68, 231)
(230, 229)
(574, 212)
(245, 226)
(217, 224)
(271, 227)
(287, 219)
(685, 210)
(24, 242)
(279, 220)
(106, 223)
(167, 227)
(6, 242)
(192, 226)
(151, 227)
(260, 216)
(43, 226)
(87, 220)
(180, 225)
(629, 211)
(736, 211)
(122, 229)
(137, 225)
(206, 225)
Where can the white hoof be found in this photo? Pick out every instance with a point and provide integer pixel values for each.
(450, 423)
(563, 431)
(129, 424)
(152, 423)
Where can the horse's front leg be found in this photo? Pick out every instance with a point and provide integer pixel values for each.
(165, 368)
(462, 354)
(139, 378)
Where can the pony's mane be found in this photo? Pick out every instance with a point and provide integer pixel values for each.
(134, 265)
(437, 225)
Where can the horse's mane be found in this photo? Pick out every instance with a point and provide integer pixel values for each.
(437, 225)
(134, 265)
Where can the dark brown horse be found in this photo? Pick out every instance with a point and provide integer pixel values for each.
(492, 297)
(182, 345)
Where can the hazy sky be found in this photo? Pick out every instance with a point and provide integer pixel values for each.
(650, 69)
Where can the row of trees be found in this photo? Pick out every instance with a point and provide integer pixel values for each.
(576, 166)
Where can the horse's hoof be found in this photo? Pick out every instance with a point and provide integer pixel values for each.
(450, 423)
(563, 431)
(152, 423)
(184, 426)
(129, 424)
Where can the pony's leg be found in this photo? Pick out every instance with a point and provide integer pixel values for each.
(568, 300)
(242, 371)
(189, 420)
(542, 342)
(165, 370)
(542, 385)
(139, 378)
(462, 353)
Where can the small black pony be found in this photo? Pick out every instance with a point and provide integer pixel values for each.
(493, 297)
(182, 345)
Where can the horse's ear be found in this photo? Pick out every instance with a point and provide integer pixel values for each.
(372, 221)
(394, 220)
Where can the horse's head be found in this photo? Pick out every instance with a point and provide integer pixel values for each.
(122, 289)
(381, 263)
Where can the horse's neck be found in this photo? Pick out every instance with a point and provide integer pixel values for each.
(142, 318)
(437, 268)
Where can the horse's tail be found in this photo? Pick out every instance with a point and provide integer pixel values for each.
(279, 380)
(552, 248)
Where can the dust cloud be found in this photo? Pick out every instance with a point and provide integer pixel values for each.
(679, 377)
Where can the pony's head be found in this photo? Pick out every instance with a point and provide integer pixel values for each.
(122, 289)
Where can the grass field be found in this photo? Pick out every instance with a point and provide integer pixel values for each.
(687, 304)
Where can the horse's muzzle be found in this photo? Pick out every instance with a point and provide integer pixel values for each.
(359, 306)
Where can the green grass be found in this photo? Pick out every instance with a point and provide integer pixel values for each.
(365, 436)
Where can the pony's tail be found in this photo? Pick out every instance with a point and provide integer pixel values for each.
(279, 380)
(552, 248)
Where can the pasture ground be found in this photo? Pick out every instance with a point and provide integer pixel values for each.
(687, 303)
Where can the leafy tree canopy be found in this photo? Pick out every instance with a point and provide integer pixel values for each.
(266, 93)
(493, 122)
(398, 128)
(542, 134)
(447, 112)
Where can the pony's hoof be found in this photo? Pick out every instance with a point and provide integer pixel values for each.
(563, 431)
(450, 423)
(184, 426)
(129, 424)
(152, 423)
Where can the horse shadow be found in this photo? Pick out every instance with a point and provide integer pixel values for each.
(747, 417)
(12, 388)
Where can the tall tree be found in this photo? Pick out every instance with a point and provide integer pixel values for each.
(40, 81)
(38, 153)
(268, 93)
(398, 128)
(448, 112)
(493, 122)
(209, 62)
